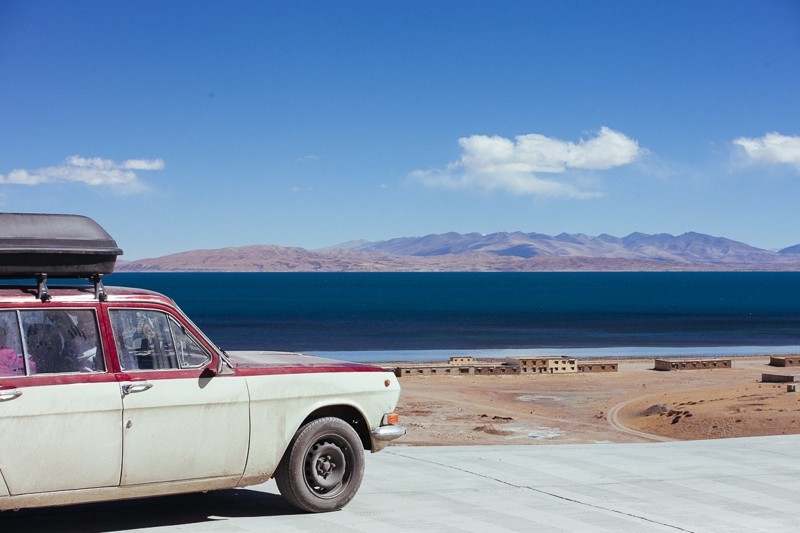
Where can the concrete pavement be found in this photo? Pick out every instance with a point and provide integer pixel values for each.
(730, 485)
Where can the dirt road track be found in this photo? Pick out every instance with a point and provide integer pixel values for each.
(613, 419)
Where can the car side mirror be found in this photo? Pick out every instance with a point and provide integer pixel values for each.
(224, 365)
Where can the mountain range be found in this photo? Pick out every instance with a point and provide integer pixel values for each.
(516, 251)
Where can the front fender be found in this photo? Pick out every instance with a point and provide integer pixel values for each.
(280, 403)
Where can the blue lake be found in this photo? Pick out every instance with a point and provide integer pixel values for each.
(385, 316)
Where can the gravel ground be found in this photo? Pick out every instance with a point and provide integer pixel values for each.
(636, 404)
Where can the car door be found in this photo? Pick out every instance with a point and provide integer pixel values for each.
(181, 420)
(60, 410)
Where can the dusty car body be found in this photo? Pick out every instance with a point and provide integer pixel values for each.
(110, 393)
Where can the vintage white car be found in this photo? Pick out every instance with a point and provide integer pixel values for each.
(109, 393)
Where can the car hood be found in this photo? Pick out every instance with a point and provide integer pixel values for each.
(242, 360)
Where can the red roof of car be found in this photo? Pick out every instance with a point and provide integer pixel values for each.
(19, 294)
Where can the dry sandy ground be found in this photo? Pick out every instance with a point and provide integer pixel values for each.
(636, 404)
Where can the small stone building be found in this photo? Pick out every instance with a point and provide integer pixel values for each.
(691, 364)
(494, 370)
(431, 370)
(466, 365)
(784, 360)
(450, 369)
(544, 365)
(598, 367)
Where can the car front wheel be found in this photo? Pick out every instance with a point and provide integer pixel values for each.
(322, 468)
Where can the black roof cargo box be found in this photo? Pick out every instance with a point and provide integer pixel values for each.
(61, 246)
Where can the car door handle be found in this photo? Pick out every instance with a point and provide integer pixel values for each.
(130, 388)
(10, 395)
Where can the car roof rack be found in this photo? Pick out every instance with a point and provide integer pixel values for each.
(43, 246)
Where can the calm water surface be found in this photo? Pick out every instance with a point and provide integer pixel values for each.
(382, 316)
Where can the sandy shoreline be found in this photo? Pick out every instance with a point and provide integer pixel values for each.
(622, 353)
(636, 404)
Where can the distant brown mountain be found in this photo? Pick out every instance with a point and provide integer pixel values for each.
(496, 252)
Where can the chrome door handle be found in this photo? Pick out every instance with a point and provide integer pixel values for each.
(10, 395)
(130, 388)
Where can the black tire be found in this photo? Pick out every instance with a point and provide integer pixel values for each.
(322, 468)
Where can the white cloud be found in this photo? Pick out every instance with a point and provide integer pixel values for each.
(516, 166)
(772, 149)
(144, 164)
(93, 171)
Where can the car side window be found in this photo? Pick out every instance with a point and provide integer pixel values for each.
(12, 362)
(190, 353)
(61, 340)
(150, 340)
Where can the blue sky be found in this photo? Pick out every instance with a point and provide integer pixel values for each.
(187, 125)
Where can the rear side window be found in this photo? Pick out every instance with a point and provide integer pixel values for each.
(51, 341)
(153, 340)
(12, 362)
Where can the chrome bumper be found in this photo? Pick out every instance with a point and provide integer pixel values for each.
(387, 433)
